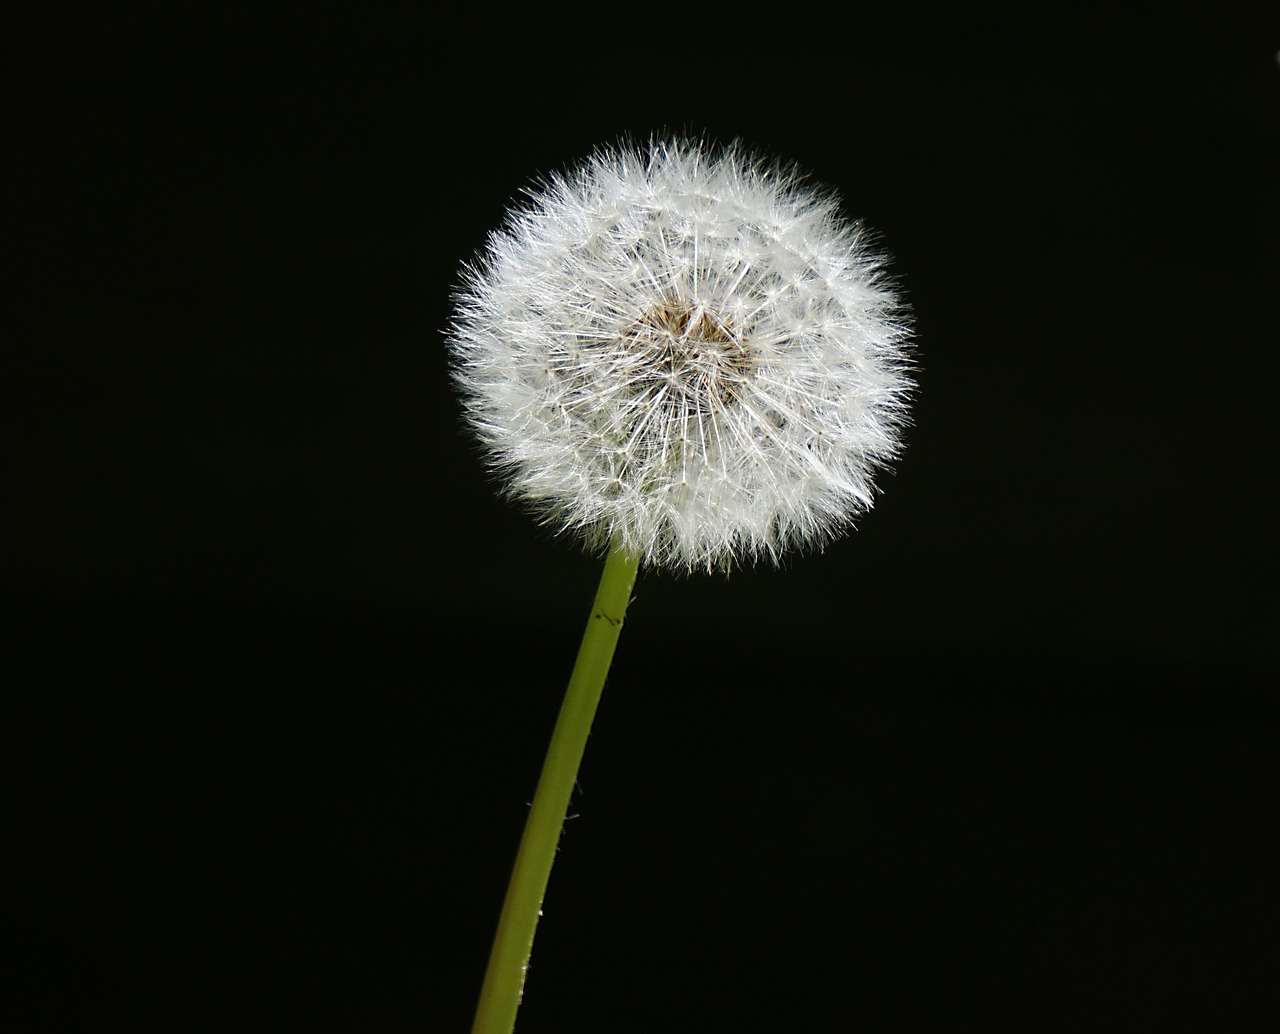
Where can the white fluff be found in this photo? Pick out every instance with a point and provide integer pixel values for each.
(685, 351)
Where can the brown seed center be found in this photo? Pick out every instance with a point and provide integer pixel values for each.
(690, 356)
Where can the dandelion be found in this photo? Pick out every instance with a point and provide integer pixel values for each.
(686, 353)
(689, 358)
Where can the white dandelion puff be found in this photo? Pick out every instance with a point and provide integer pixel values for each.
(686, 352)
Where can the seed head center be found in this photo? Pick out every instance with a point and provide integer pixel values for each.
(689, 355)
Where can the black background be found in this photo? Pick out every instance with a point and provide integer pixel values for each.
(285, 665)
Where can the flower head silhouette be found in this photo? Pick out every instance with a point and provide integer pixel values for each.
(684, 351)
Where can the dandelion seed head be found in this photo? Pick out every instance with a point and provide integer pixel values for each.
(684, 350)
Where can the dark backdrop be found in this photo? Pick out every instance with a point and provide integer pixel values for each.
(285, 665)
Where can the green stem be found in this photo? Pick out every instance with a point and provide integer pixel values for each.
(509, 959)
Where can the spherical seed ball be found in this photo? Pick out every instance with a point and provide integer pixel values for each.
(686, 351)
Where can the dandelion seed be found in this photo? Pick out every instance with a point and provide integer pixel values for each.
(686, 352)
